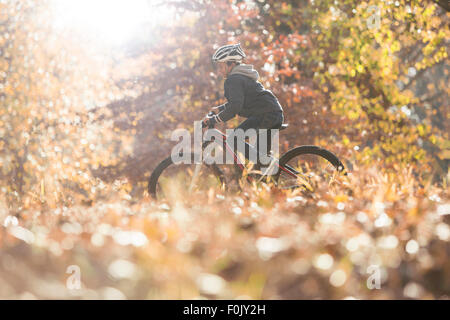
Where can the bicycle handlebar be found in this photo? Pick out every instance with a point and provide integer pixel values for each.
(209, 115)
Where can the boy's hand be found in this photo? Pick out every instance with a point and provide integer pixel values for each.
(211, 119)
(208, 119)
(205, 122)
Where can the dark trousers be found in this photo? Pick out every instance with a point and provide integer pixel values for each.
(270, 120)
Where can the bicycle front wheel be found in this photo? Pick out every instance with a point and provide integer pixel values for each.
(308, 167)
(176, 179)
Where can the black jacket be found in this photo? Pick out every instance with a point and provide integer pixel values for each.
(246, 97)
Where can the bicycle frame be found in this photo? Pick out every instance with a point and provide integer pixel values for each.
(248, 148)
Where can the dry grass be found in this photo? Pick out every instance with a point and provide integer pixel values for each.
(260, 244)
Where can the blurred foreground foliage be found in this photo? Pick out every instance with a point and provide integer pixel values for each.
(260, 244)
(82, 125)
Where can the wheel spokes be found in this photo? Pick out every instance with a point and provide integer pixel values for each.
(182, 180)
(312, 171)
(195, 176)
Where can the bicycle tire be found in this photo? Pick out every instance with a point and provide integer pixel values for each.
(163, 165)
(310, 150)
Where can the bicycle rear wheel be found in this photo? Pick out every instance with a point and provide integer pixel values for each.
(309, 167)
(170, 179)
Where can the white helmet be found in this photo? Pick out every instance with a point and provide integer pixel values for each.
(232, 53)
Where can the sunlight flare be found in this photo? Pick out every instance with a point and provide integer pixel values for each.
(110, 21)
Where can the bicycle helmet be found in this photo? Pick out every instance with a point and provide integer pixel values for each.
(229, 53)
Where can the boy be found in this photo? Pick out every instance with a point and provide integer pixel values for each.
(245, 94)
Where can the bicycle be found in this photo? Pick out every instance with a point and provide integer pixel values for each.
(301, 167)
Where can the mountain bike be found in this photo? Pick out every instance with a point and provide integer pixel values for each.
(305, 167)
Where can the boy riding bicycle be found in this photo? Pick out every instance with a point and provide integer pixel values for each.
(303, 166)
